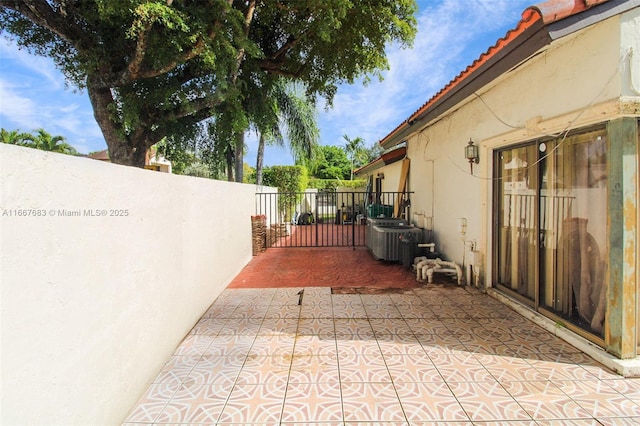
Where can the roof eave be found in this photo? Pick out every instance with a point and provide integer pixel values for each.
(539, 26)
(384, 160)
(529, 37)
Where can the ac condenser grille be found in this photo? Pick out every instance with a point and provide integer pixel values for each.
(385, 240)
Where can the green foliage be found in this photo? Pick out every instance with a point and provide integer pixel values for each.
(287, 178)
(356, 152)
(157, 68)
(197, 169)
(332, 164)
(333, 184)
(181, 152)
(291, 182)
(374, 152)
(14, 137)
(41, 140)
(249, 175)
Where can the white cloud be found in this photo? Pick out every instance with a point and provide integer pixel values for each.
(451, 35)
(37, 65)
(16, 108)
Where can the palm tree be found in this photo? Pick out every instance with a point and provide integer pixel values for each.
(354, 150)
(14, 137)
(287, 108)
(45, 141)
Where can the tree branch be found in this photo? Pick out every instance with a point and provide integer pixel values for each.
(248, 18)
(41, 13)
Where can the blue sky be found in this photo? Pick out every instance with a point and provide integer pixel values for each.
(451, 35)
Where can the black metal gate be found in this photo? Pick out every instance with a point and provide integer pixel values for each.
(325, 218)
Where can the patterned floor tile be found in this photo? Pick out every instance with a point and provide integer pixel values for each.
(208, 326)
(318, 401)
(317, 311)
(572, 422)
(254, 404)
(441, 344)
(314, 369)
(363, 368)
(353, 328)
(429, 402)
(316, 326)
(220, 311)
(265, 369)
(355, 312)
(286, 296)
(193, 345)
(460, 368)
(216, 370)
(283, 311)
(273, 345)
(599, 399)
(278, 326)
(425, 325)
(412, 369)
(315, 345)
(349, 347)
(400, 345)
(508, 369)
(417, 312)
(242, 326)
(195, 404)
(388, 326)
(618, 421)
(551, 370)
(544, 401)
(376, 300)
(487, 401)
(435, 355)
(371, 402)
(382, 311)
(151, 404)
(176, 370)
(230, 345)
(628, 387)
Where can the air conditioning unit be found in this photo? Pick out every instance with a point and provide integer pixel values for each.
(387, 221)
(386, 240)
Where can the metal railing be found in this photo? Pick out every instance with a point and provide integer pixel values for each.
(325, 218)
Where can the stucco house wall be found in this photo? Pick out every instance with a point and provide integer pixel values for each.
(104, 269)
(574, 83)
(548, 77)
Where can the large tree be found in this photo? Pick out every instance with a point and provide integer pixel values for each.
(155, 68)
(332, 164)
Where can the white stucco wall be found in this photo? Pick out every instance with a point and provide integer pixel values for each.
(557, 89)
(92, 306)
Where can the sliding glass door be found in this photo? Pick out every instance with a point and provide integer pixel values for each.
(551, 226)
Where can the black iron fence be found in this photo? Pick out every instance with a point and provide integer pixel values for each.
(325, 218)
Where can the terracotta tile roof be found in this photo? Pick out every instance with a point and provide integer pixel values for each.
(556, 10)
(100, 155)
(540, 14)
(385, 159)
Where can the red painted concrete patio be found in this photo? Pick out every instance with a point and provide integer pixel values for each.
(322, 267)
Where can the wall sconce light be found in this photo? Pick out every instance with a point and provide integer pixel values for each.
(471, 154)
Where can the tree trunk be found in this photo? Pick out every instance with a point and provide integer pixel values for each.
(259, 160)
(230, 165)
(239, 157)
(128, 151)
